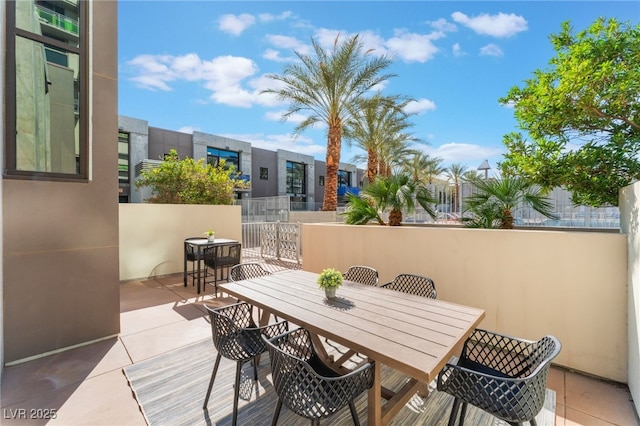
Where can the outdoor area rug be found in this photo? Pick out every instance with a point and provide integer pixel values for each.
(170, 390)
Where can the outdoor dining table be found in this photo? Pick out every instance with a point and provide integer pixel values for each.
(201, 244)
(411, 334)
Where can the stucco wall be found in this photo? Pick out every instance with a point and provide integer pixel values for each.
(152, 235)
(629, 207)
(60, 239)
(530, 283)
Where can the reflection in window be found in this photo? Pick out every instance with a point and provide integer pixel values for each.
(321, 181)
(296, 178)
(44, 75)
(231, 158)
(123, 157)
(344, 178)
(264, 173)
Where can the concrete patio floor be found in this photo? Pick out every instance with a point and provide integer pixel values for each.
(86, 386)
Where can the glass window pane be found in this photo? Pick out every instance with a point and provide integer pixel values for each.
(47, 122)
(58, 20)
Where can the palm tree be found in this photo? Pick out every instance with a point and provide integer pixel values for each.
(396, 192)
(496, 201)
(454, 172)
(376, 123)
(326, 86)
(417, 166)
(433, 169)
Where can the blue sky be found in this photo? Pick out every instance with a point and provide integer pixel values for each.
(201, 65)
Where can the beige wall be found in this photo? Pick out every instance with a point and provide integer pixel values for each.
(60, 242)
(629, 207)
(312, 217)
(531, 283)
(152, 235)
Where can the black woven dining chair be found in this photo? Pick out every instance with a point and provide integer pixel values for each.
(236, 337)
(221, 258)
(504, 376)
(306, 385)
(191, 255)
(361, 274)
(413, 284)
(247, 270)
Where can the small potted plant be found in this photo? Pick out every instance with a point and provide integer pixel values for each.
(210, 234)
(329, 280)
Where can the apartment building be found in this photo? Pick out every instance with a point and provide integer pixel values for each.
(269, 173)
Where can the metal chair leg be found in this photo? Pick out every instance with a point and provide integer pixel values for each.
(276, 413)
(454, 412)
(213, 377)
(255, 368)
(463, 412)
(354, 414)
(236, 393)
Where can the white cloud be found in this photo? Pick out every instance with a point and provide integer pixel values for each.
(491, 50)
(500, 25)
(274, 55)
(235, 24)
(463, 152)
(268, 17)
(289, 142)
(223, 75)
(443, 25)
(420, 105)
(188, 129)
(412, 47)
(457, 50)
(277, 116)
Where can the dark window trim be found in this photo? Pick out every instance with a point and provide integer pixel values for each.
(9, 169)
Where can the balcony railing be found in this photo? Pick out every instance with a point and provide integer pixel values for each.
(58, 20)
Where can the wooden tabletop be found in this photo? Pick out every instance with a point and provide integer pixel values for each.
(413, 334)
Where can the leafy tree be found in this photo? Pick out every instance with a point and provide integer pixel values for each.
(494, 204)
(582, 114)
(378, 124)
(326, 86)
(418, 166)
(189, 181)
(395, 193)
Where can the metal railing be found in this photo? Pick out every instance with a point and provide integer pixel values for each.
(274, 240)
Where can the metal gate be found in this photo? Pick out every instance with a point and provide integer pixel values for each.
(280, 240)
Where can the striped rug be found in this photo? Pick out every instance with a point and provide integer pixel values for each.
(170, 390)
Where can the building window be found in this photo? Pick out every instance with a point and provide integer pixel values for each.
(344, 178)
(321, 181)
(264, 173)
(46, 88)
(231, 158)
(123, 157)
(296, 178)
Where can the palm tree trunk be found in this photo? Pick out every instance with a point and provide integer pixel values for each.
(334, 140)
(395, 217)
(507, 219)
(372, 164)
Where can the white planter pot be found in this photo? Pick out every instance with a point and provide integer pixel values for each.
(330, 292)
(212, 238)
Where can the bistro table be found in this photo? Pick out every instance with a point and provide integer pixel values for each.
(412, 334)
(200, 244)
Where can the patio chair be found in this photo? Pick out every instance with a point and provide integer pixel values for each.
(362, 275)
(504, 376)
(247, 270)
(221, 258)
(191, 254)
(413, 284)
(306, 385)
(236, 337)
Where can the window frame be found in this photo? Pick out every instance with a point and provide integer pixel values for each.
(10, 169)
